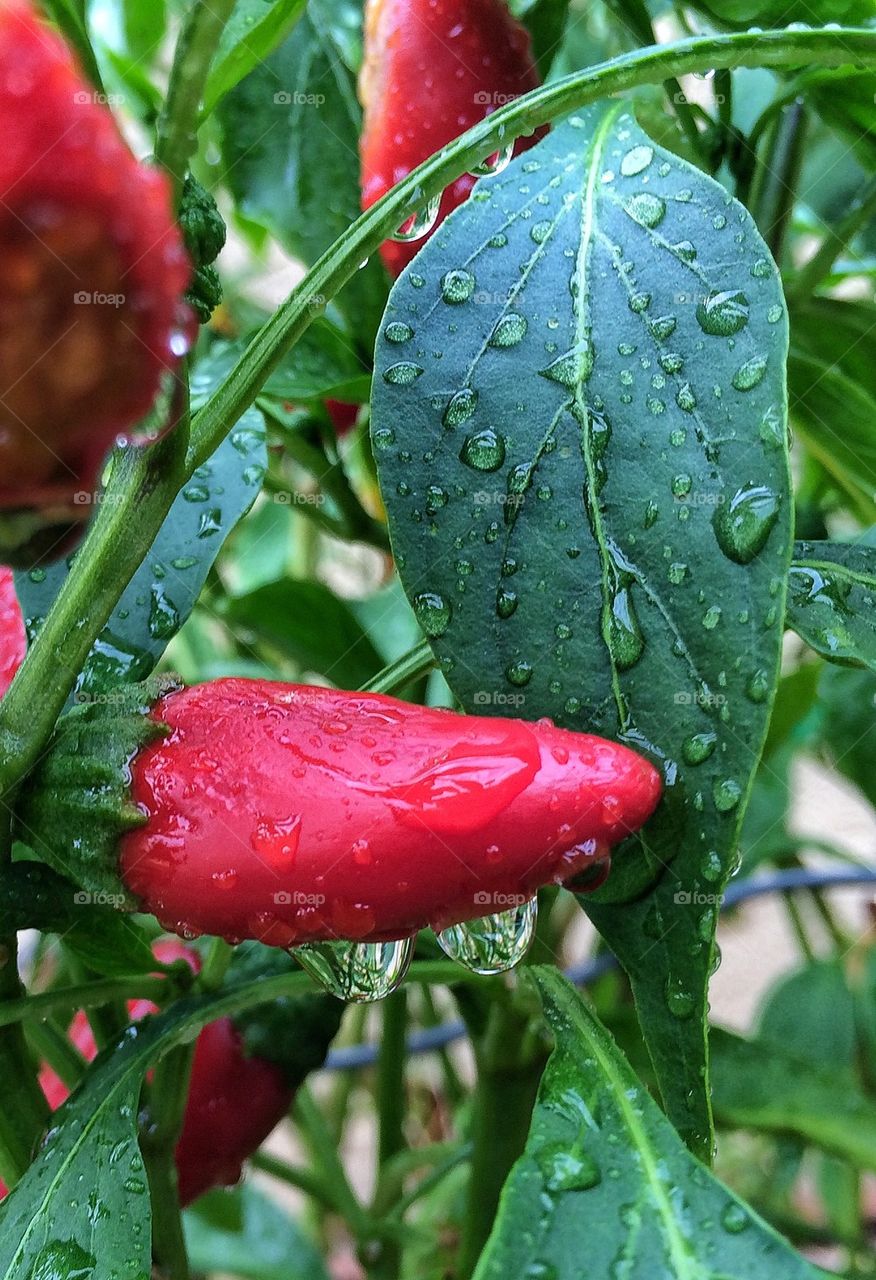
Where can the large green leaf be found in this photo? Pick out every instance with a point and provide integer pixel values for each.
(244, 1233)
(832, 600)
(579, 422)
(605, 1187)
(290, 143)
(253, 30)
(321, 364)
(847, 725)
(765, 1086)
(162, 593)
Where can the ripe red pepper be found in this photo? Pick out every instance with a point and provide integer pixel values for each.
(234, 1101)
(13, 639)
(343, 415)
(432, 69)
(295, 814)
(93, 269)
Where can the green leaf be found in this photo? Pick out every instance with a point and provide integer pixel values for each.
(244, 1233)
(545, 20)
(765, 1086)
(290, 146)
(811, 1013)
(321, 364)
(162, 593)
(847, 725)
(605, 1178)
(253, 30)
(311, 626)
(578, 417)
(144, 24)
(832, 600)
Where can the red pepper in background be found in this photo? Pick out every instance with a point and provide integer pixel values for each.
(235, 1100)
(13, 638)
(343, 415)
(295, 814)
(432, 69)
(92, 270)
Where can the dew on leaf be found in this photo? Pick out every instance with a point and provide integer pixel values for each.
(635, 160)
(510, 330)
(723, 313)
(743, 524)
(698, 747)
(461, 407)
(748, 375)
(726, 793)
(398, 331)
(402, 374)
(457, 286)
(432, 612)
(646, 209)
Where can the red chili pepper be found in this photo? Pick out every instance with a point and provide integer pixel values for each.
(295, 814)
(13, 638)
(343, 415)
(234, 1101)
(93, 268)
(432, 69)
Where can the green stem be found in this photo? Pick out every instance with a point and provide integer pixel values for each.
(176, 135)
(167, 1103)
(799, 928)
(418, 662)
(303, 1179)
(509, 1071)
(325, 1153)
(215, 965)
(457, 1156)
(53, 1046)
(391, 1059)
(63, 1002)
(811, 274)
(774, 188)
(23, 1114)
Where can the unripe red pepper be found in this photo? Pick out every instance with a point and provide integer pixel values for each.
(93, 269)
(235, 1099)
(13, 639)
(294, 814)
(432, 69)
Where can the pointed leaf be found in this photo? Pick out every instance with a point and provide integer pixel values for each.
(579, 421)
(832, 600)
(604, 1178)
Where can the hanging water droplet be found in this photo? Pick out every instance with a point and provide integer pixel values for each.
(457, 287)
(698, 747)
(398, 331)
(419, 224)
(357, 971)
(646, 209)
(433, 613)
(483, 450)
(496, 162)
(748, 375)
(635, 160)
(402, 374)
(724, 313)
(743, 524)
(510, 330)
(492, 944)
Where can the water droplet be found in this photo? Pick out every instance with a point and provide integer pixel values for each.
(698, 747)
(433, 613)
(419, 224)
(506, 602)
(663, 327)
(775, 313)
(635, 160)
(492, 944)
(457, 287)
(540, 231)
(483, 450)
(671, 362)
(461, 407)
(398, 331)
(758, 686)
(646, 209)
(436, 498)
(679, 1000)
(724, 313)
(726, 793)
(357, 971)
(734, 1219)
(639, 302)
(681, 484)
(743, 524)
(685, 398)
(678, 571)
(519, 673)
(571, 368)
(510, 330)
(565, 1169)
(685, 250)
(621, 631)
(383, 438)
(761, 269)
(494, 163)
(402, 374)
(748, 375)
(712, 617)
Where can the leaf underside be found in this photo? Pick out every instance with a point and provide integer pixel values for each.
(578, 415)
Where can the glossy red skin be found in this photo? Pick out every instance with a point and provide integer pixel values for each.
(64, 167)
(433, 68)
(295, 814)
(234, 1101)
(13, 639)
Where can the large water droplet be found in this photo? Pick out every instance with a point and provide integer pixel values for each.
(743, 524)
(457, 287)
(483, 450)
(494, 163)
(510, 330)
(750, 374)
(635, 160)
(563, 1169)
(461, 407)
(419, 224)
(646, 209)
(398, 331)
(734, 1219)
(492, 944)
(621, 630)
(433, 613)
(723, 313)
(726, 793)
(358, 971)
(698, 747)
(571, 368)
(679, 1000)
(402, 374)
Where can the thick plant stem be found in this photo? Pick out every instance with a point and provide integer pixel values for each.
(176, 131)
(510, 1066)
(167, 1103)
(140, 493)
